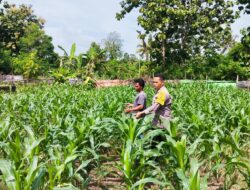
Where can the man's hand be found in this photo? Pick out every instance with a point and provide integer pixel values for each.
(127, 110)
(129, 105)
(139, 115)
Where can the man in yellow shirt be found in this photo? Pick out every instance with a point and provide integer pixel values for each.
(161, 106)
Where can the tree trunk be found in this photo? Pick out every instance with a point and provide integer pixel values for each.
(164, 53)
(144, 44)
(147, 55)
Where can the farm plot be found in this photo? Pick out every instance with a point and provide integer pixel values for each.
(67, 137)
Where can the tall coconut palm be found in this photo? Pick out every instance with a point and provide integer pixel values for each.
(144, 48)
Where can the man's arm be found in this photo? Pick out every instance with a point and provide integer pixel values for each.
(149, 110)
(137, 108)
(159, 101)
(141, 101)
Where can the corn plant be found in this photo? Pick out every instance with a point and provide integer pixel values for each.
(54, 136)
(193, 180)
(21, 168)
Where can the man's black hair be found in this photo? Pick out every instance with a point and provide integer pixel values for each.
(160, 76)
(140, 81)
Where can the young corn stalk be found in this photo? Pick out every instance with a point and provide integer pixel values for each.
(22, 170)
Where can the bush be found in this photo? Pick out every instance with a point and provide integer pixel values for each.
(61, 75)
(230, 70)
(5, 62)
(27, 64)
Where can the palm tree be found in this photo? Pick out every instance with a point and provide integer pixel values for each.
(144, 48)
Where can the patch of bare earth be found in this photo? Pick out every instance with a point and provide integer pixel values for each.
(106, 177)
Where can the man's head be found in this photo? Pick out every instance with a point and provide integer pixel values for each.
(139, 84)
(158, 81)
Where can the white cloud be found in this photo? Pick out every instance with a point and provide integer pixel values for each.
(85, 21)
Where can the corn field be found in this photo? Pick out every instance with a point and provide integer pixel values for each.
(63, 137)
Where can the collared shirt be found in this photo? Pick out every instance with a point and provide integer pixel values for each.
(161, 105)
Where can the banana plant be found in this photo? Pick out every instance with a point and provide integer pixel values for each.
(71, 60)
(93, 59)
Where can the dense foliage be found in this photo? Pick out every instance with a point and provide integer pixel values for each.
(23, 39)
(59, 136)
(182, 29)
(182, 39)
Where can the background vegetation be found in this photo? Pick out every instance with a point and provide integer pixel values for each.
(184, 39)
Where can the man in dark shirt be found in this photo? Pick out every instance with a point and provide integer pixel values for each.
(140, 99)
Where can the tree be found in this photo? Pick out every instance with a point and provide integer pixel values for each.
(126, 57)
(27, 64)
(240, 53)
(13, 23)
(113, 45)
(22, 37)
(183, 28)
(35, 38)
(94, 57)
(245, 40)
(144, 48)
(244, 5)
(5, 61)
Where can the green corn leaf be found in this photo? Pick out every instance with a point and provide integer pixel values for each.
(180, 150)
(31, 169)
(39, 179)
(195, 182)
(183, 178)
(8, 174)
(31, 147)
(194, 175)
(127, 159)
(70, 158)
(149, 180)
(65, 187)
(83, 165)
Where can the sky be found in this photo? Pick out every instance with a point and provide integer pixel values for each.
(86, 21)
